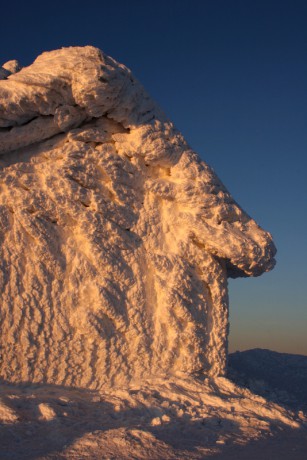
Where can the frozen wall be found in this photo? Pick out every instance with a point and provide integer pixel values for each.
(116, 240)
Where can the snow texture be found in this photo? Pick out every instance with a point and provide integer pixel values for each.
(161, 419)
(116, 239)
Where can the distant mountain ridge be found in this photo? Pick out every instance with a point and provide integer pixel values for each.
(279, 376)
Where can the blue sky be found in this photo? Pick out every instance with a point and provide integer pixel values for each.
(231, 75)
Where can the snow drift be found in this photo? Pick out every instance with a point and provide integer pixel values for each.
(116, 239)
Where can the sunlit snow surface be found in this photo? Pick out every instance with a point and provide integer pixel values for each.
(116, 239)
(165, 419)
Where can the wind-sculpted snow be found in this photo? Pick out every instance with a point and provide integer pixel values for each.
(116, 239)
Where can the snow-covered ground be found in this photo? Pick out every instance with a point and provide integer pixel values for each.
(179, 418)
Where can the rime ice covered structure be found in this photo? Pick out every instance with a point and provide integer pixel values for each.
(116, 239)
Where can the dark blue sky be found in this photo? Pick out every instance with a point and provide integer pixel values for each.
(231, 74)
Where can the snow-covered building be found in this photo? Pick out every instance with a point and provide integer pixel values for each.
(116, 240)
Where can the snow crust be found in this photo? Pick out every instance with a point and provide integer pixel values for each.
(175, 418)
(116, 239)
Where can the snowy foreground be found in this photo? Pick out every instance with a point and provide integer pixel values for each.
(174, 419)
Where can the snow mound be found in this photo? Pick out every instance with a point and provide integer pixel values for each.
(116, 240)
(158, 419)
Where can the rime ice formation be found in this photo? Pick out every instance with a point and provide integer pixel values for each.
(116, 239)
